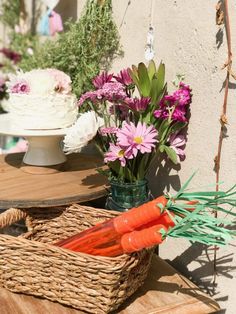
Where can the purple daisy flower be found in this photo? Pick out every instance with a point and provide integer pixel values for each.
(101, 79)
(123, 77)
(138, 104)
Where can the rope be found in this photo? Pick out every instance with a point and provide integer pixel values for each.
(11, 216)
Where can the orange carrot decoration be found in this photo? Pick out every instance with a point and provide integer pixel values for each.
(186, 216)
(115, 227)
(127, 243)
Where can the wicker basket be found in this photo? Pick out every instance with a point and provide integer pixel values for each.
(30, 264)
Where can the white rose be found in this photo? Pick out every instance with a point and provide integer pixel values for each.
(84, 129)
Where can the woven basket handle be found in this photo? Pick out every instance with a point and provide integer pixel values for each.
(11, 216)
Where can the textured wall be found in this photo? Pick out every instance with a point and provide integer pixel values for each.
(186, 41)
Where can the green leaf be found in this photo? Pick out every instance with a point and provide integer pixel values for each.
(151, 69)
(154, 90)
(144, 81)
(134, 76)
(171, 154)
(161, 148)
(161, 75)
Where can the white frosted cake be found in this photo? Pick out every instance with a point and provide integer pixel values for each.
(41, 99)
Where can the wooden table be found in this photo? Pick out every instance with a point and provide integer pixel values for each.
(165, 291)
(79, 181)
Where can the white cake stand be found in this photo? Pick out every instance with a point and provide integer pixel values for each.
(44, 146)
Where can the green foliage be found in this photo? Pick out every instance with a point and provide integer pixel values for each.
(14, 14)
(89, 45)
(195, 222)
(149, 80)
(10, 13)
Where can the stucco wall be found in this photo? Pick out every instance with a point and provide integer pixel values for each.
(185, 39)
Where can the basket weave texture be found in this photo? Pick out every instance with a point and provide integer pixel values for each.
(30, 264)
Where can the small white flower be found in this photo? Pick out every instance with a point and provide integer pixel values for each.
(79, 134)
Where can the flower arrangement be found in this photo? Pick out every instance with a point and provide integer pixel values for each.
(141, 119)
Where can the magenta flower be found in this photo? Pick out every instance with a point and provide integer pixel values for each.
(123, 77)
(182, 96)
(177, 142)
(141, 138)
(175, 104)
(117, 153)
(138, 104)
(101, 79)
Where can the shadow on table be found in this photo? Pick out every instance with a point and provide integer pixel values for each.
(95, 180)
(159, 281)
(75, 162)
(203, 275)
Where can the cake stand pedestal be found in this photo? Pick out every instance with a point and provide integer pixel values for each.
(44, 153)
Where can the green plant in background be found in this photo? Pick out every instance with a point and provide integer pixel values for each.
(22, 39)
(10, 13)
(88, 46)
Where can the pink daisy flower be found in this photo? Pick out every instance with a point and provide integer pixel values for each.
(137, 138)
(117, 153)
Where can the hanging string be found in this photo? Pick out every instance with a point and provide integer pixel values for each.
(149, 48)
(123, 18)
(222, 16)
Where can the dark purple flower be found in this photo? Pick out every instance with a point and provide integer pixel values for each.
(101, 79)
(123, 77)
(138, 104)
(10, 54)
(120, 110)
